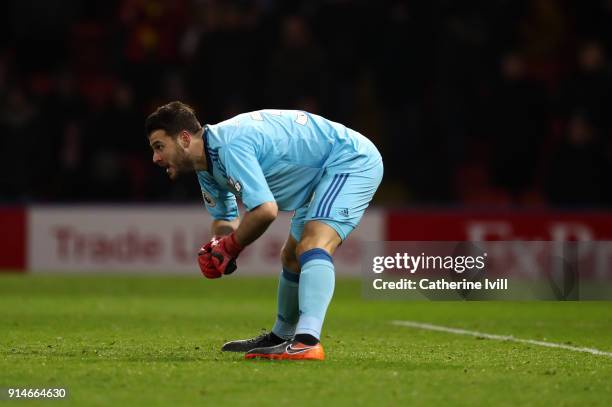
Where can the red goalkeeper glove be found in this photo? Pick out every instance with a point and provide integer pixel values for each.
(218, 256)
(204, 260)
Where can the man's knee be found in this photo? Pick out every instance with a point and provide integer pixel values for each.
(308, 244)
(289, 257)
(318, 235)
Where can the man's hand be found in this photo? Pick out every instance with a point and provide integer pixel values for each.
(218, 256)
(204, 262)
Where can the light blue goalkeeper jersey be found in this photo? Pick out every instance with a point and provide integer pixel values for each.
(276, 155)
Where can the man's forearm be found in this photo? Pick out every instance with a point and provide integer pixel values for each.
(221, 227)
(255, 223)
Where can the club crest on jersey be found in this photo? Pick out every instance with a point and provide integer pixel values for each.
(208, 199)
(234, 185)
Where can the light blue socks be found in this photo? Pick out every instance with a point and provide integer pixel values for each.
(316, 289)
(288, 311)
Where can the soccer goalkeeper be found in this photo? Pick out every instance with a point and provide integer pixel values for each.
(274, 160)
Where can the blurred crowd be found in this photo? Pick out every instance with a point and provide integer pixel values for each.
(472, 103)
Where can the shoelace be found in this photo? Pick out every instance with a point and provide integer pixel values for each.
(263, 335)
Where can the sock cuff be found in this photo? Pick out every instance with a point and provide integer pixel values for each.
(283, 329)
(291, 275)
(314, 254)
(309, 325)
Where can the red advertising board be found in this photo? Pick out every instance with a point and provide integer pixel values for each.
(12, 239)
(502, 225)
(19, 252)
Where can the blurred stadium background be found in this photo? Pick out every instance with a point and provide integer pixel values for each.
(493, 118)
(498, 103)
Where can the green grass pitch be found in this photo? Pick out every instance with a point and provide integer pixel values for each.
(155, 341)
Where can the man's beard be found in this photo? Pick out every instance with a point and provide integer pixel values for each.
(182, 164)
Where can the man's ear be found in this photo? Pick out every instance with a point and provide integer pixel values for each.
(184, 138)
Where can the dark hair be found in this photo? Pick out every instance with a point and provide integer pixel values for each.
(173, 118)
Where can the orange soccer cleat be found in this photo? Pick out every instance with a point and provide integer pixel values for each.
(290, 350)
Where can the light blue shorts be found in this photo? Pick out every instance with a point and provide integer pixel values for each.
(340, 198)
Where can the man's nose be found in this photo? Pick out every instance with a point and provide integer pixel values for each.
(156, 158)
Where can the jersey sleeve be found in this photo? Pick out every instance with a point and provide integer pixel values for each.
(245, 175)
(220, 204)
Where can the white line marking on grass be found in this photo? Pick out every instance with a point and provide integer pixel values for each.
(430, 327)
